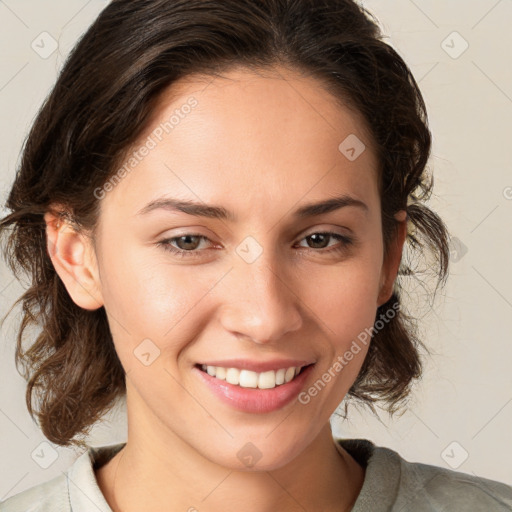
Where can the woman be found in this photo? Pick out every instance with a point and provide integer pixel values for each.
(213, 205)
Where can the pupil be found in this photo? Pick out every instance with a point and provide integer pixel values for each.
(188, 237)
(316, 235)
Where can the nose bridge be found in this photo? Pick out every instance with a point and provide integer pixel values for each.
(261, 303)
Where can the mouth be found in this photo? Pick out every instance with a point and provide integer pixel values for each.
(266, 394)
(248, 379)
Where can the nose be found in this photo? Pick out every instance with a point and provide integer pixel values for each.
(261, 303)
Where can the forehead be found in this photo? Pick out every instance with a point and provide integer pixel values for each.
(244, 137)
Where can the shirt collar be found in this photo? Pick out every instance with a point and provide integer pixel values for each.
(378, 493)
(84, 492)
(382, 474)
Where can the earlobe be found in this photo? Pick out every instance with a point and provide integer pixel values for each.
(392, 263)
(74, 260)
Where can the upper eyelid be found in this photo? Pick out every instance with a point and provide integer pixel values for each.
(305, 233)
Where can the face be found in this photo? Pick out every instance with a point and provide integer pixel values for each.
(261, 283)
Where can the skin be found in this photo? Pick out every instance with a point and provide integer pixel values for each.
(260, 145)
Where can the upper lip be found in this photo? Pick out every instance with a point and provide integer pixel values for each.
(258, 366)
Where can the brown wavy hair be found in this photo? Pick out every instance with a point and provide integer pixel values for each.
(103, 100)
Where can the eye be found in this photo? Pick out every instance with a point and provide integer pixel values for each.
(189, 240)
(188, 243)
(319, 239)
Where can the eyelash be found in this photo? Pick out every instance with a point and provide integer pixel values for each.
(346, 242)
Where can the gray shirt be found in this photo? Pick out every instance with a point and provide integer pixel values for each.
(391, 484)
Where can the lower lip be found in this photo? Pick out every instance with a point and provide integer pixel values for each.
(255, 400)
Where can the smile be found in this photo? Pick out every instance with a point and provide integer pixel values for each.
(249, 379)
(259, 399)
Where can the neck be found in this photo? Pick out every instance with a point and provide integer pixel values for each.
(143, 476)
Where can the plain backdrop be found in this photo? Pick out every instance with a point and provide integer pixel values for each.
(460, 414)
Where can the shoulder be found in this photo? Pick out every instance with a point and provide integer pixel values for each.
(394, 484)
(50, 496)
(75, 489)
(424, 487)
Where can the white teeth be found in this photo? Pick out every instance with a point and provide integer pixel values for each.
(249, 379)
(290, 373)
(220, 373)
(280, 376)
(232, 375)
(267, 380)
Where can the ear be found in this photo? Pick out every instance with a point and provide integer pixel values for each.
(74, 259)
(392, 261)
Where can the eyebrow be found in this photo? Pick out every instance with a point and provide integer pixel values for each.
(219, 212)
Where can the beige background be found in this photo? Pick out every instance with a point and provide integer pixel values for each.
(460, 416)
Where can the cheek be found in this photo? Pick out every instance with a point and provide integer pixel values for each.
(344, 296)
(344, 300)
(147, 297)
